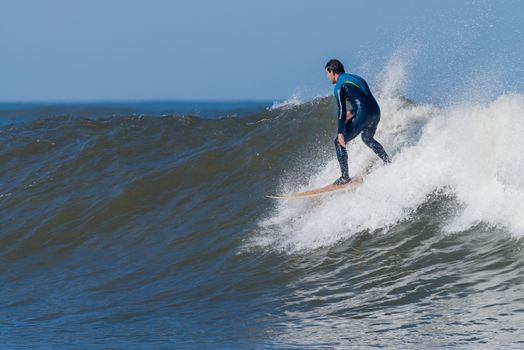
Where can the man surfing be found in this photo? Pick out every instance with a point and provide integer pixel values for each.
(363, 118)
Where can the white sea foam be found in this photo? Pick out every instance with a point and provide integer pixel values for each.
(474, 152)
(292, 101)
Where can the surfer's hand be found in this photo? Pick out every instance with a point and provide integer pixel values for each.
(341, 140)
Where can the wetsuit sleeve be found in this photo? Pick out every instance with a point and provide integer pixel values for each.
(341, 102)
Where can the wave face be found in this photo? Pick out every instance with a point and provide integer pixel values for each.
(131, 231)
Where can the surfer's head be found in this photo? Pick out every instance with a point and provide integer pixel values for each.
(333, 69)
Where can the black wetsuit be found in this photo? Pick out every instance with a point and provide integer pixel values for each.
(366, 116)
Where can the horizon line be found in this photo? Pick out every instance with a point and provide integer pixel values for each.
(139, 101)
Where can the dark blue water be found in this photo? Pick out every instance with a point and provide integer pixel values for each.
(22, 112)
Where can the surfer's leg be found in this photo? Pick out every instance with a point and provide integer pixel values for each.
(342, 157)
(367, 137)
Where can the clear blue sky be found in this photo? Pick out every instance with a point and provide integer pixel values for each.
(66, 50)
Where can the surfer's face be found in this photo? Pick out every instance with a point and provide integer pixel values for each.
(331, 76)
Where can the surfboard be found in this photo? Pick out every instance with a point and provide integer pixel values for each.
(353, 184)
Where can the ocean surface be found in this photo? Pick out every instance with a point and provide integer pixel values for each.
(146, 226)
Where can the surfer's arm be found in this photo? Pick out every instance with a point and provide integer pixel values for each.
(341, 140)
(341, 101)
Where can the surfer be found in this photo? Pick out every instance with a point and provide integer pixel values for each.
(363, 117)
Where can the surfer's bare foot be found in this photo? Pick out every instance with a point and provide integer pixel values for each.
(342, 180)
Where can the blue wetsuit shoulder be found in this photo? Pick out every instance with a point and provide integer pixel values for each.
(353, 80)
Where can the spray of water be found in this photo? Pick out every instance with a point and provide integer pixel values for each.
(471, 151)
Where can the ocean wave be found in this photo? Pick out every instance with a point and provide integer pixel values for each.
(470, 153)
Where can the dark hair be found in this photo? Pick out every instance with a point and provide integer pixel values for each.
(335, 66)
